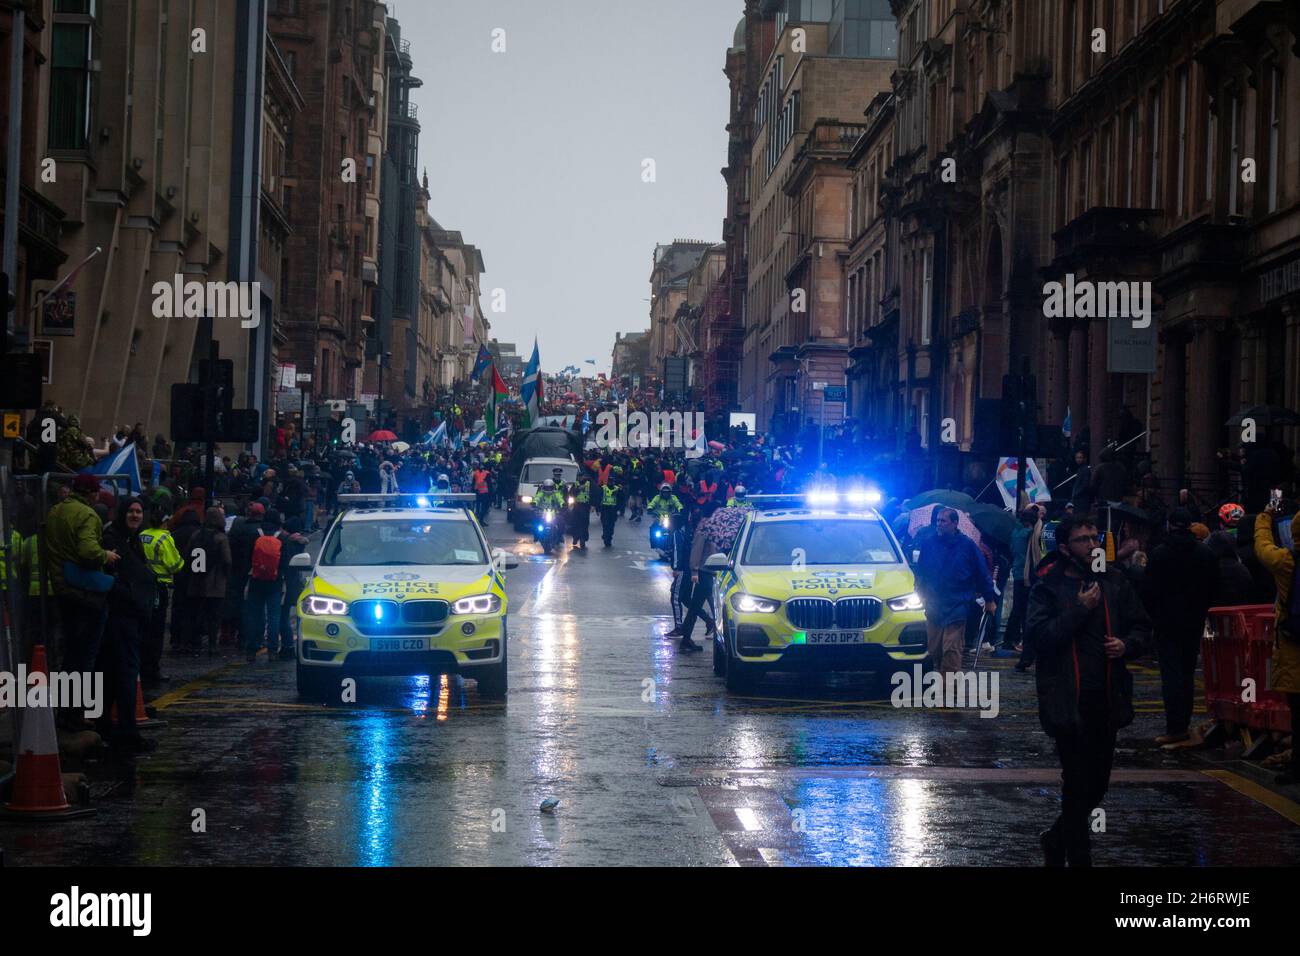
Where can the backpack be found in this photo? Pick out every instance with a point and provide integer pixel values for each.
(266, 557)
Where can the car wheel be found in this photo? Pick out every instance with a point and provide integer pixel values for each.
(742, 677)
(316, 684)
(719, 657)
(493, 680)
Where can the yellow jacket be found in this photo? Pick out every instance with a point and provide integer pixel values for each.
(1281, 564)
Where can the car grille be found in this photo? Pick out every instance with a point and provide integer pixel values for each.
(854, 613)
(811, 614)
(399, 618)
(819, 614)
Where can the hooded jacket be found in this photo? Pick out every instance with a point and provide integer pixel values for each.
(1179, 584)
(1067, 639)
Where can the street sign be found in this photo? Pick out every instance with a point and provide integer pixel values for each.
(13, 425)
(836, 393)
(819, 386)
(304, 376)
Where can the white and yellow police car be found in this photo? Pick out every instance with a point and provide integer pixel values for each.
(403, 585)
(814, 582)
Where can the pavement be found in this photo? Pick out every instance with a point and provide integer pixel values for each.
(652, 760)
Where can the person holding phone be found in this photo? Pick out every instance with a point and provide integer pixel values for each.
(1284, 565)
(1084, 621)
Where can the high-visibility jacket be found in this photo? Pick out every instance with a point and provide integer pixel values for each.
(481, 481)
(737, 503)
(582, 492)
(707, 491)
(15, 545)
(160, 552)
(548, 499)
(608, 495)
(660, 505)
(30, 561)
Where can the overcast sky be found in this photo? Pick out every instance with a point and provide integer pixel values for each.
(535, 154)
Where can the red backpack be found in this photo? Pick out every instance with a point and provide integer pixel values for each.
(266, 557)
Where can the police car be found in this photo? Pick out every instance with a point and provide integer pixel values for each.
(814, 583)
(404, 585)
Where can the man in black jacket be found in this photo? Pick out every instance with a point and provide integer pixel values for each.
(1179, 583)
(1084, 623)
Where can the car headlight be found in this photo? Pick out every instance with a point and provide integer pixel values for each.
(318, 604)
(753, 604)
(906, 602)
(525, 499)
(477, 604)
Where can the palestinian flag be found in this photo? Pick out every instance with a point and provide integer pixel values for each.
(499, 391)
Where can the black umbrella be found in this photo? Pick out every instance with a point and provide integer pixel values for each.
(1131, 513)
(994, 522)
(1265, 415)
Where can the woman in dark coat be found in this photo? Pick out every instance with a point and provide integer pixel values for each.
(207, 589)
(130, 606)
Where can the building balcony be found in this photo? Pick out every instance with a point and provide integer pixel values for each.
(38, 232)
(1105, 230)
(369, 273)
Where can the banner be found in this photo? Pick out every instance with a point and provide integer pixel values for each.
(1036, 489)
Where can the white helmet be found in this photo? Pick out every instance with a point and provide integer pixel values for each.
(740, 491)
(548, 484)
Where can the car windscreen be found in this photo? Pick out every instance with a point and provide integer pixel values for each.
(822, 542)
(402, 541)
(537, 473)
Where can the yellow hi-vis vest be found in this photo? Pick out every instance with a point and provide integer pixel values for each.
(160, 551)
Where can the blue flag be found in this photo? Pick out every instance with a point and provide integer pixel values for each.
(531, 392)
(481, 363)
(122, 462)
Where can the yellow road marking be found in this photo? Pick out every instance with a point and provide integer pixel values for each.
(1274, 801)
(199, 683)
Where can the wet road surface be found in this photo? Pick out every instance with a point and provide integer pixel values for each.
(653, 762)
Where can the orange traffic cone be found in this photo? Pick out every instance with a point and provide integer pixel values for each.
(142, 718)
(38, 779)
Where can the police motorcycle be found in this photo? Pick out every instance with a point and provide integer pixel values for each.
(548, 527)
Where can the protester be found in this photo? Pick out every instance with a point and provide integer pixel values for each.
(1284, 566)
(209, 576)
(130, 607)
(950, 574)
(1178, 587)
(1084, 624)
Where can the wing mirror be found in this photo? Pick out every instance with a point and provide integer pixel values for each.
(301, 560)
(504, 560)
(717, 562)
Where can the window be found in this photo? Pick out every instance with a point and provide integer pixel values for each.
(1180, 197)
(1274, 132)
(1153, 145)
(1085, 171)
(1064, 211)
(1211, 134)
(284, 282)
(926, 280)
(1234, 154)
(71, 82)
(1105, 178)
(1130, 158)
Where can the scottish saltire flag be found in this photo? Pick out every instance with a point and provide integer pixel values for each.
(456, 441)
(531, 392)
(121, 462)
(481, 363)
(586, 421)
(1067, 426)
(479, 437)
(155, 476)
(439, 434)
(590, 361)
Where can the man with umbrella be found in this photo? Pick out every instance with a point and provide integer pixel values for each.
(950, 573)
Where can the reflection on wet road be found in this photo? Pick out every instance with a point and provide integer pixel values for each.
(652, 760)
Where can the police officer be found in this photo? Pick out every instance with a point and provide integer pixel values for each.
(609, 492)
(739, 499)
(664, 503)
(580, 511)
(164, 560)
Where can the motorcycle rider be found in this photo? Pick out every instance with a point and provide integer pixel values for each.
(550, 499)
(739, 498)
